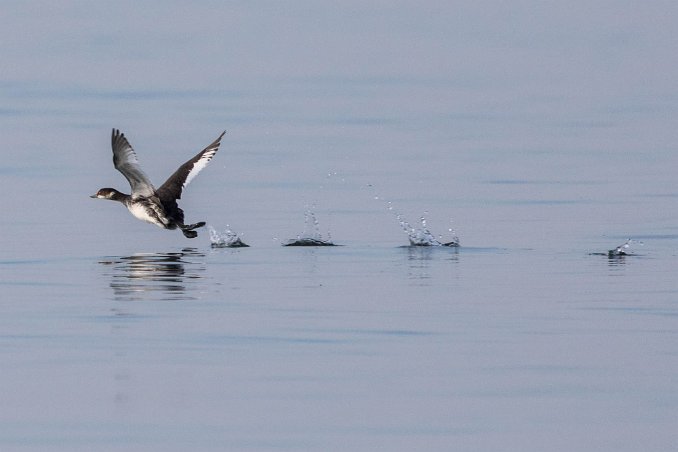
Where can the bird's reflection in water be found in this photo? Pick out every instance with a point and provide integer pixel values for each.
(155, 276)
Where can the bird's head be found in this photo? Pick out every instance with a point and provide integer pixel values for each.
(106, 193)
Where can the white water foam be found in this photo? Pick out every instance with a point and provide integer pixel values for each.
(422, 236)
(624, 248)
(225, 239)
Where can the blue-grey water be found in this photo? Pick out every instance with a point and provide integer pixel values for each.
(541, 134)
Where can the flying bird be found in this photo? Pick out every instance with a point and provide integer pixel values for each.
(158, 207)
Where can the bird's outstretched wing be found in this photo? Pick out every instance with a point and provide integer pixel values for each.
(125, 161)
(175, 184)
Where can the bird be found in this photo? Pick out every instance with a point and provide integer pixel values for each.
(158, 207)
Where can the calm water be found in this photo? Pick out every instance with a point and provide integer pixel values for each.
(540, 136)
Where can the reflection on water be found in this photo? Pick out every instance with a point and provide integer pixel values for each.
(616, 261)
(155, 276)
(421, 258)
(144, 277)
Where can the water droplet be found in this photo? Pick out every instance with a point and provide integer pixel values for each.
(226, 239)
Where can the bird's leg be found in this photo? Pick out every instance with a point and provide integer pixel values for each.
(190, 227)
(189, 233)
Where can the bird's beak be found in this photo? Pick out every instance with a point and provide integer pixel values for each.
(93, 196)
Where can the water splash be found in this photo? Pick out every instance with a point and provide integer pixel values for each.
(225, 239)
(422, 236)
(311, 235)
(624, 248)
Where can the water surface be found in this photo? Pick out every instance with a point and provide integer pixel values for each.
(539, 136)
